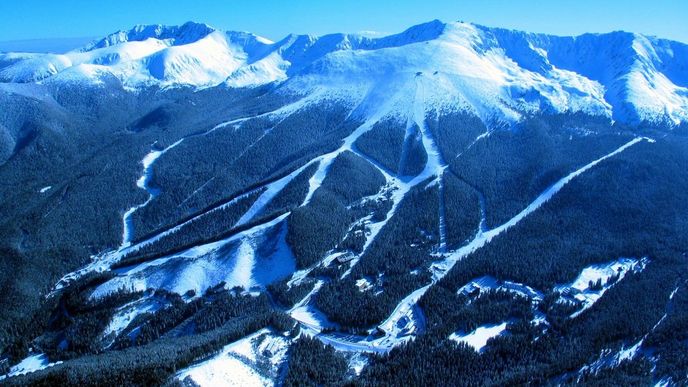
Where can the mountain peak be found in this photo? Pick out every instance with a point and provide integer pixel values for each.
(188, 32)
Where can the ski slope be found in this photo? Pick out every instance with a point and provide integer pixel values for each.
(236, 260)
(144, 183)
(402, 317)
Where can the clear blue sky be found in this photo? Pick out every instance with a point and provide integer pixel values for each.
(34, 19)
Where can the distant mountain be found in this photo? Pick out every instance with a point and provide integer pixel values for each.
(495, 72)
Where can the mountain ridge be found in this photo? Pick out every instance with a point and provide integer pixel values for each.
(188, 32)
(624, 76)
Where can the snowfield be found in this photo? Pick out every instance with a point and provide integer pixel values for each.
(497, 75)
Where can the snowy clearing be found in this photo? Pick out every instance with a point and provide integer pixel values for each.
(479, 337)
(491, 283)
(30, 364)
(241, 363)
(127, 313)
(594, 281)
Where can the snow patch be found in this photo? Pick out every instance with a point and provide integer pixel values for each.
(363, 285)
(357, 363)
(242, 363)
(479, 337)
(32, 363)
(490, 283)
(127, 313)
(594, 281)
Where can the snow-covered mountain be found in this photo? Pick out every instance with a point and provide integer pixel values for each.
(493, 72)
(182, 205)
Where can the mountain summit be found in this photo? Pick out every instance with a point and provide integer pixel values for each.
(177, 35)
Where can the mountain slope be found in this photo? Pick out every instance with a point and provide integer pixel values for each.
(453, 202)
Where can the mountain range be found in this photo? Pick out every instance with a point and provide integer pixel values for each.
(454, 204)
(496, 72)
